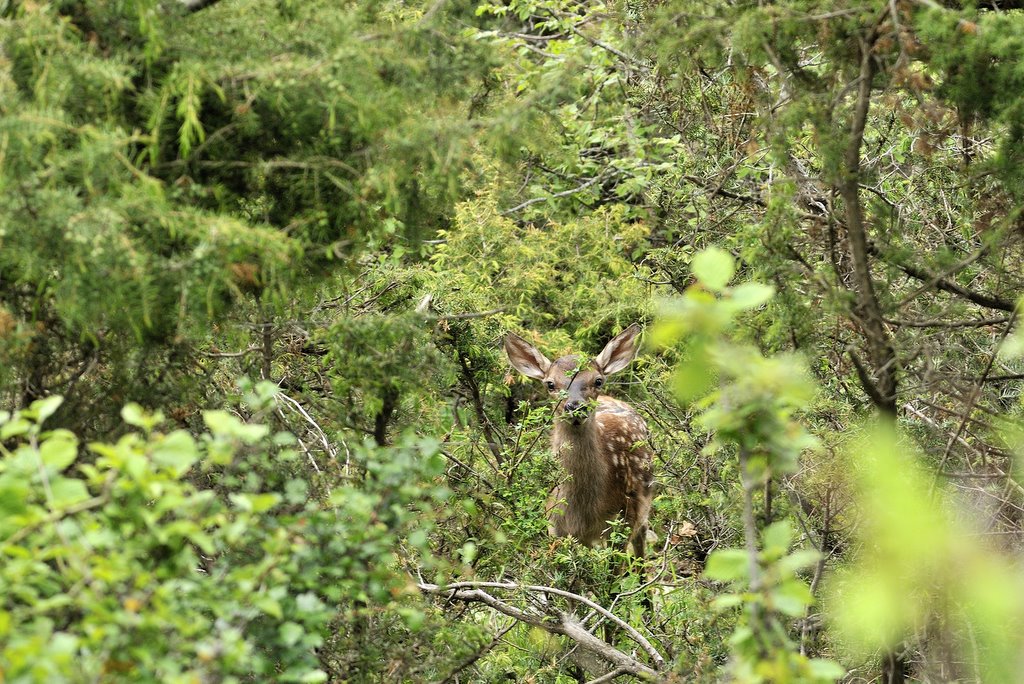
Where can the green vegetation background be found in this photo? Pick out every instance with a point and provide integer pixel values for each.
(256, 260)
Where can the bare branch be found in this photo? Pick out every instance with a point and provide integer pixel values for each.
(720, 191)
(978, 323)
(297, 407)
(1000, 378)
(471, 314)
(556, 622)
(564, 193)
(610, 676)
(605, 46)
(865, 379)
(229, 355)
(946, 285)
(972, 399)
(629, 629)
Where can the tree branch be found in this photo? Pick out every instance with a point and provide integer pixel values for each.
(946, 285)
(556, 622)
(882, 389)
(628, 628)
(978, 323)
(609, 676)
(563, 193)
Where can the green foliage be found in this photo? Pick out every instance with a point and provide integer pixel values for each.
(757, 397)
(580, 272)
(381, 360)
(162, 172)
(920, 561)
(347, 207)
(118, 565)
(978, 61)
(753, 412)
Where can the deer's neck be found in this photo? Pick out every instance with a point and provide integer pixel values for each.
(578, 447)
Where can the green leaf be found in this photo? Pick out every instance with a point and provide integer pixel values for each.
(1013, 346)
(290, 633)
(269, 605)
(666, 331)
(726, 565)
(791, 598)
(44, 408)
(203, 541)
(800, 558)
(693, 378)
(778, 536)
(133, 415)
(221, 422)
(414, 618)
(255, 503)
(59, 450)
(177, 452)
(741, 637)
(225, 424)
(418, 539)
(68, 491)
(14, 428)
(14, 495)
(309, 603)
(750, 295)
(296, 490)
(713, 267)
(468, 552)
(726, 601)
(826, 669)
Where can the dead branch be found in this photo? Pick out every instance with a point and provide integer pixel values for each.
(936, 323)
(557, 622)
(564, 193)
(610, 676)
(941, 283)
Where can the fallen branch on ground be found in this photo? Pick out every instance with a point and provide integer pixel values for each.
(557, 622)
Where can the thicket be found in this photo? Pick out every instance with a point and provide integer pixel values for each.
(256, 261)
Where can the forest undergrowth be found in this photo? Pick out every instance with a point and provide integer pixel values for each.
(258, 259)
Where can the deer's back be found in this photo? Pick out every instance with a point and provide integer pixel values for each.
(623, 439)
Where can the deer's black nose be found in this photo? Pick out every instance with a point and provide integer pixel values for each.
(572, 406)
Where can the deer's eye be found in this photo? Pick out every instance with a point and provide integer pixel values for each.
(551, 385)
(598, 382)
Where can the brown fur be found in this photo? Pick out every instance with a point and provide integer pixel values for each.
(601, 442)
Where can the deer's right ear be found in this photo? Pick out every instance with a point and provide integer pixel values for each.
(619, 352)
(525, 358)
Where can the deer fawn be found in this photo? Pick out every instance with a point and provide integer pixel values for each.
(601, 442)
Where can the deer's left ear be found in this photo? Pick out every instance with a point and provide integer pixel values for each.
(617, 354)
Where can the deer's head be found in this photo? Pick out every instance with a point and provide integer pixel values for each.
(575, 384)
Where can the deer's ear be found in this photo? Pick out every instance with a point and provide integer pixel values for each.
(617, 354)
(525, 358)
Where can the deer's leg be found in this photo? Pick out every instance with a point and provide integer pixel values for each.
(556, 511)
(638, 511)
(638, 507)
